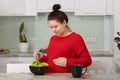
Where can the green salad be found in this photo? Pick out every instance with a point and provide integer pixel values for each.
(39, 64)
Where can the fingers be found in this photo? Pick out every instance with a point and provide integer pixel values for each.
(56, 62)
(61, 61)
(37, 55)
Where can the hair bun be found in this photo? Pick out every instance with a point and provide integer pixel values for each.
(56, 7)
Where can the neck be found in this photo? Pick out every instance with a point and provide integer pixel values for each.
(66, 33)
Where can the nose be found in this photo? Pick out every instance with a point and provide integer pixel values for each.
(53, 29)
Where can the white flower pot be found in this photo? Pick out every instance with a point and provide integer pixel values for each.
(23, 47)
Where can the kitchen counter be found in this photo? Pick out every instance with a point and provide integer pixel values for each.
(57, 76)
(101, 54)
(18, 57)
(17, 54)
(30, 54)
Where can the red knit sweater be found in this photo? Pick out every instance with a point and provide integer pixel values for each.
(72, 47)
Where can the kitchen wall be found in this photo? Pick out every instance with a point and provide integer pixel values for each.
(38, 31)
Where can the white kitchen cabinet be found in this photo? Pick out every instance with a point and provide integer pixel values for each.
(109, 7)
(30, 8)
(13, 60)
(90, 7)
(102, 65)
(46, 5)
(93, 7)
(14, 7)
(117, 64)
(17, 8)
(116, 29)
(116, 26)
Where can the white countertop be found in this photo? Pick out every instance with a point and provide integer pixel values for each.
(58, 76)
(30, 54)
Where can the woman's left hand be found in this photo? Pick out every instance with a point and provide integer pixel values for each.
(60, 61)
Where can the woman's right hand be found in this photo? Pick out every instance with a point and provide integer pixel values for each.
(37, 55)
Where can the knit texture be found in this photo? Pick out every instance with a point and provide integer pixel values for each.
(72, 47)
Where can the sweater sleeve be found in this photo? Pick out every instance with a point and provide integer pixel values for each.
(84, 59)
(43, 59)
(82, 54)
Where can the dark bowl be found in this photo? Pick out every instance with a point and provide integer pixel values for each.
(38, 70)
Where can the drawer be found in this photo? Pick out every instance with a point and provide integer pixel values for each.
(2, 69)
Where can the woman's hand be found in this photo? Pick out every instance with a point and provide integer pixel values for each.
(61, 61)
(37, 55)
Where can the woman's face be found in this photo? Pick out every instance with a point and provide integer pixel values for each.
(57, 27)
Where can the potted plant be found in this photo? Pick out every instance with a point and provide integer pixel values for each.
(117, 40)
(23, 45)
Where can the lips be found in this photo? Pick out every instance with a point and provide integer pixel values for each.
(55, 32)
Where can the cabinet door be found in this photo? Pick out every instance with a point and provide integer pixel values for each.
(46, 5)
(103, 63)
(66, 5)
(2, 69)
(13, 7)
(109, 7)
(90, 7)
(30, 8)
(18, 8)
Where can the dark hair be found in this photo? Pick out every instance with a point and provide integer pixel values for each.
(58, 15)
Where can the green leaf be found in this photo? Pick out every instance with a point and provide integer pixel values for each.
(21, 27)
(22, 37)
(39, 64)
(118, 33)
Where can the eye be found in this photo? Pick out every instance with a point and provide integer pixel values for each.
(51, 27)
(55, 26)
